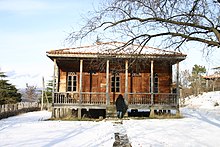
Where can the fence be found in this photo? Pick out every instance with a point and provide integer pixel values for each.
(8, 110)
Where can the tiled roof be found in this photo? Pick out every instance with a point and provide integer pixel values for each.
(115, 48)
(216, 67)
(214, 76)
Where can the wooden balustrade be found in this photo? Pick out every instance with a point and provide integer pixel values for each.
(139, 98)
(145, 98)
(93, 98)
(66, 97)
(87, 98)
(165, 99)
(100, 98)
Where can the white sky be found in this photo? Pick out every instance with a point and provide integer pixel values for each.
(29, 28)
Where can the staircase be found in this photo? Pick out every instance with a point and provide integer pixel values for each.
(111, 111)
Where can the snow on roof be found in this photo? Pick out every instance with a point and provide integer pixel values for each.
(118, 48)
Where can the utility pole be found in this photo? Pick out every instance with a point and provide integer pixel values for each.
(42, 94)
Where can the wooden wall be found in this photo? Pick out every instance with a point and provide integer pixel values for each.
(140, 82)
(63, 81)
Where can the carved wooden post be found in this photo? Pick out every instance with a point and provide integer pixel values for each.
(107, 83)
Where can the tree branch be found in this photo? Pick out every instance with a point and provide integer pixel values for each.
(157, 19)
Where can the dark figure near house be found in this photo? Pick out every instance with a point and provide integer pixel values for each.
(120, 106)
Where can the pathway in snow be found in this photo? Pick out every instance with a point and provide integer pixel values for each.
(121, 138)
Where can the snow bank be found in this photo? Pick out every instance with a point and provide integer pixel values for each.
(29, 130)
(172, 132)
(199, 127)
(206, 104)
(204, 101)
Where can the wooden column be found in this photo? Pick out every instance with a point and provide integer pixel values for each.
(54, 76)
(152, 82)
(177, 87)
(80, 81)
(152, 89)
(107, 83)
(126, 81)
(54, 73)
(57, 79)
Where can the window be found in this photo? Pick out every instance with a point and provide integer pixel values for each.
(72, 81)
(156, 83)
(115, 84)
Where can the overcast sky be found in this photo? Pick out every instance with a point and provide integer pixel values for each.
(29, 28)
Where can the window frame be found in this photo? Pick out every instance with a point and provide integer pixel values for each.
(73, 81)
(115, 83)
(156, 83)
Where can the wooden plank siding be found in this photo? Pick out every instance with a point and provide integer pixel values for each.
(137, 82)
(62, 81)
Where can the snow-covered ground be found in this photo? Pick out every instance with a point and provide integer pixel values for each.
(199, 127)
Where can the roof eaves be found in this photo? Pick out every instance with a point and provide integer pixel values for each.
(92, 55)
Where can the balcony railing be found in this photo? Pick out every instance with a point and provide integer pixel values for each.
(139, 98)
(165, 99)
(66, 97)
(145, 98)
(94, 98)
(74, 98)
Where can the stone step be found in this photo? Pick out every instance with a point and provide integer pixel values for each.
(111, 111)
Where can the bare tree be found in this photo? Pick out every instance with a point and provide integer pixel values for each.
(185, 78)
(172, 22)
(30, 93)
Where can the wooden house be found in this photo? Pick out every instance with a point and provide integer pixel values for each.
(91, 77)
(212, 82)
